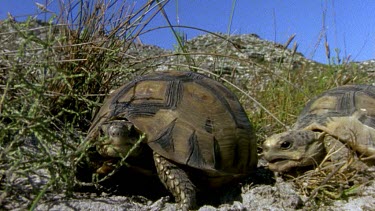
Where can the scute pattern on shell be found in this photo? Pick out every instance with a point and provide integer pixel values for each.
(346, 113)
(188, 118)
(339, 102)
(340, 120)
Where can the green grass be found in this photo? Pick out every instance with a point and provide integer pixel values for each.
(51, 86)
(286, 94)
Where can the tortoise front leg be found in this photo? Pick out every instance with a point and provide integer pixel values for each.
(176, 181)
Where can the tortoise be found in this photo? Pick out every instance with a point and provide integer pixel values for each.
(343, 117)
(190, 122)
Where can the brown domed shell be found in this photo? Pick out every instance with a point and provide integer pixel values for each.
(346, 112)
(187, 118)
(342, 101)
(338, 121)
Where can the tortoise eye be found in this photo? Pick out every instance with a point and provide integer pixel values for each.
(285, 145)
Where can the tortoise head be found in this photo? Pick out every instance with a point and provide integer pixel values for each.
(298, 148)
(117, 138)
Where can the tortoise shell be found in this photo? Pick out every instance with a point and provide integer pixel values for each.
(342, 101)
(187, 118)
(346, 113)
(341, 116)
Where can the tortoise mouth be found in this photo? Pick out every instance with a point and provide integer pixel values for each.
(282, 164)
(278, 159)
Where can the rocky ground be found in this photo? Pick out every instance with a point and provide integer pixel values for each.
(262, 192)
(282, 195)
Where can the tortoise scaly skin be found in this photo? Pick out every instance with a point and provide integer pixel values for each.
(343, 116)
(191, 123)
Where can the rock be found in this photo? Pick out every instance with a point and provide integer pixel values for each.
(100, 203)
(364, 200)
(281, 196)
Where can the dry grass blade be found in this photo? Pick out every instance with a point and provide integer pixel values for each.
(324, 182)
(243, 92)
(332, 180)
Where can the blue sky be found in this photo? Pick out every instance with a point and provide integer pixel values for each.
(349, 25)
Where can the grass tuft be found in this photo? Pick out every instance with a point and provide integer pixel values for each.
(333, 180)
(53, 76)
